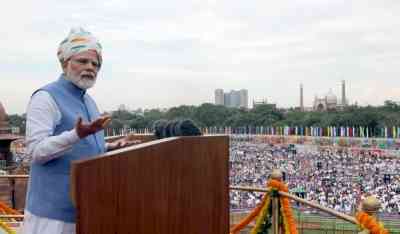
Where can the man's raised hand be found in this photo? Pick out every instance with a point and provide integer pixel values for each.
(85, 129)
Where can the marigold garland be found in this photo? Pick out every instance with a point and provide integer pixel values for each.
(263, 221)
(6, 228)
(278, 185)
(250, 217)
(368, 222)
(264, 213)
(288, 219)
(4, 209)
(286, 209)
(8, 210)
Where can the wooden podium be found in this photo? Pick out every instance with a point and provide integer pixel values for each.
(176, 185)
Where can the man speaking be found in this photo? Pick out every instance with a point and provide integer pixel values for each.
(63, 124)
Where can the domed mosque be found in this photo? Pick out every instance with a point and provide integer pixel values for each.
(327, 102)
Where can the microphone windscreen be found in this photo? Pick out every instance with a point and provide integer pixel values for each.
(169, 129)
(159, 128)
(188, 128)
(184, 127)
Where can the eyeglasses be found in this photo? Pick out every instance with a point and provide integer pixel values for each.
(84, 61)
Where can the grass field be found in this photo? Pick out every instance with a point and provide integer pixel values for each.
(315, 224)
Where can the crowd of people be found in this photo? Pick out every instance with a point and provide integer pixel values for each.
(333, 177)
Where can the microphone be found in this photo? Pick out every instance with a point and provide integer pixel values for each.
(177, 127)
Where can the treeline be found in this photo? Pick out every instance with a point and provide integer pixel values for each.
(210, 115)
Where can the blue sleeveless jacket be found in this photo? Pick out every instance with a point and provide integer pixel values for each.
(49, 186)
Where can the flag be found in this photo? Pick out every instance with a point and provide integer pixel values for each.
(393, 132)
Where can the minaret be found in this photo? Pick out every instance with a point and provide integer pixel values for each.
(344, 102)
(301, 98)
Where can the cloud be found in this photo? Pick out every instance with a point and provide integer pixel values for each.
(180, 51)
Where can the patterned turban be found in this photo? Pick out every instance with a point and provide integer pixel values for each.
(78, 40)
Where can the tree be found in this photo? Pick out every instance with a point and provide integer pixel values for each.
(390, 105)
(18, 121)
(211, 115)
(152, 115)
(180, 112)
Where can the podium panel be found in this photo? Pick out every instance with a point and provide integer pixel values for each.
(171, 186)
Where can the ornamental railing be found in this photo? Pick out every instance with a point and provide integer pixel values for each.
(10, 217)
(12, 196)
(275, 209)
(275, 212)
(300, 200)
(15, 193)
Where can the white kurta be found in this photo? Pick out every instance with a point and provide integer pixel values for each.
(34, 225)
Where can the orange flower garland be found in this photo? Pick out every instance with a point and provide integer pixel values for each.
(249, 217)
(8, 210)
(288, 218)
(4, 209)
(368, 222)
(6, 228)
(277, 185)
(263, 217)
(286, 211)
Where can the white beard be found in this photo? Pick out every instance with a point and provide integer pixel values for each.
(81, 82)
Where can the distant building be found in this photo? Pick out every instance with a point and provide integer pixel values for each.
(244, 98)
(4, 126)
(263, 102)
(6, 137)
(344, 100)
(123, 107)
(326, 102)
(219, 97)
(301, 98)
(235, 98)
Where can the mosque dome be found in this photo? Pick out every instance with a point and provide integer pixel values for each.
(331, 98)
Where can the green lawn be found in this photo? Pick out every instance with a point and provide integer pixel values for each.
(315, 224)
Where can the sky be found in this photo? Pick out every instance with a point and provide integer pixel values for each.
(160, 54)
